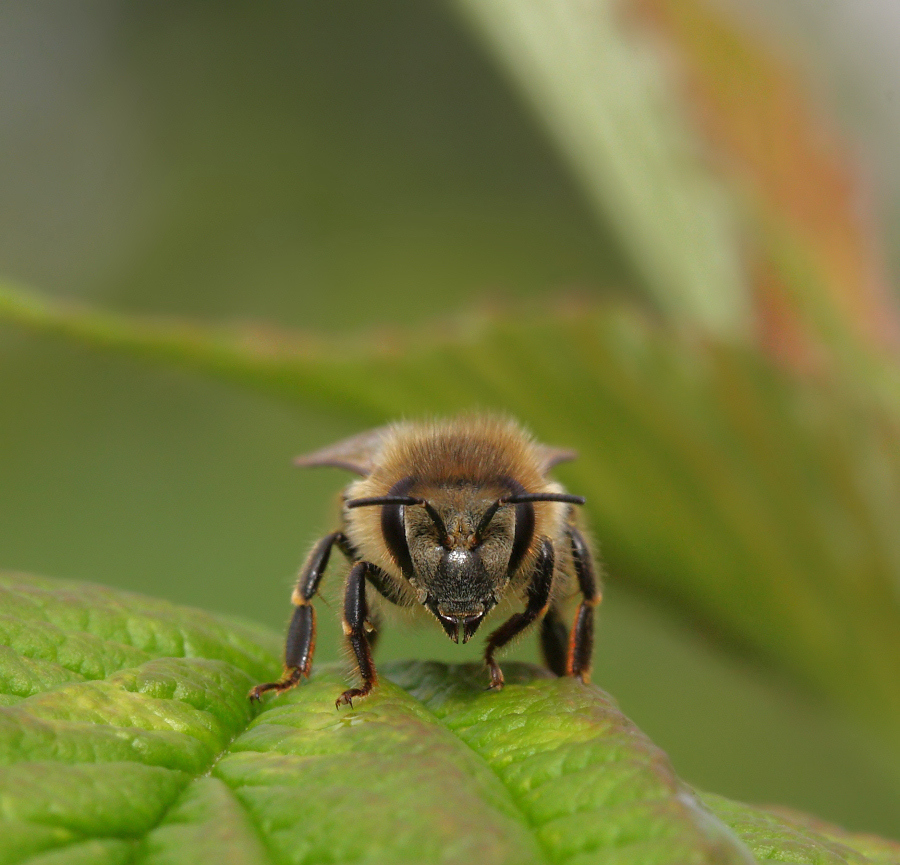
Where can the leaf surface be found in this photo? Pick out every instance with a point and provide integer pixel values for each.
(789, 836)
(130, 738)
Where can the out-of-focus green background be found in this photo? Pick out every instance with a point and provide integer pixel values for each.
(330, 167)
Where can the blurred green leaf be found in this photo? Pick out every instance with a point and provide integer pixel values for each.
(757, 506)
(813, 251)
(126, 735)
(800, 838)
(784, 192)
(606, 102)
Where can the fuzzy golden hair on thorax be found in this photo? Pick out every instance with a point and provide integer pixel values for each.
(474, 450)
(474, 441)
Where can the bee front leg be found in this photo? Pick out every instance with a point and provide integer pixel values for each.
(301, 638)
(581, 643)
(538, 601)
(355, 615)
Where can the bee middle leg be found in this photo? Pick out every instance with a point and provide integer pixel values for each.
(301, 638)
(355, 616)
(538, 600)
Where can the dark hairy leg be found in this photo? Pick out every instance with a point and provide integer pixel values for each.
(554, 641)
(581, 641)
(538, 599)
(355, 615)
(382, 584)
(301, 637)
(373, 630)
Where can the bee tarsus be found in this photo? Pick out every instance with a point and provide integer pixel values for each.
(291, 677)
(497, 679)
(346, 699)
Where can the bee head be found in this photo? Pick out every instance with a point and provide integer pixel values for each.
(458, 548)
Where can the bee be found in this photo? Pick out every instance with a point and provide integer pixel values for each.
(452, 517)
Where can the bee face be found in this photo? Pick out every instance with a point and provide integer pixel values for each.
(460, 561)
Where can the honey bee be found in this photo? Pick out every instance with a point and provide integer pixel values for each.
(452, 517)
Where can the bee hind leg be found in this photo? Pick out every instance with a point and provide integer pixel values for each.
(555, 642)
(581, 642)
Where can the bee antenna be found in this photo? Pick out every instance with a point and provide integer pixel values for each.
(521, 499)
(436, 519)
(382, 500)
(486, 519)
(403, 500)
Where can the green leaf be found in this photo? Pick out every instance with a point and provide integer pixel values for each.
(606, 102)
(789, 836)
(755, 505)
(126, 735)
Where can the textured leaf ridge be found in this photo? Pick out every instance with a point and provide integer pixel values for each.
(126, 736)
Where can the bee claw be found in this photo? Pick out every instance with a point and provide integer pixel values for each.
(285, 684)
(346, 699)
(255, 695)
(496, 677)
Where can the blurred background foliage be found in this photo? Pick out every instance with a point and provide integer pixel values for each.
(629, 224)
